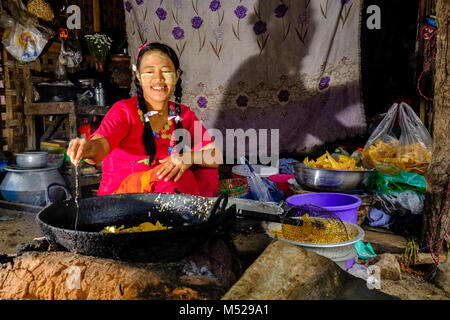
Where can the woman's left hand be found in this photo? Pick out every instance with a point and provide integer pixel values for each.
(173, 167)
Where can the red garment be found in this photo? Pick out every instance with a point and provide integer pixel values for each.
(123, 129)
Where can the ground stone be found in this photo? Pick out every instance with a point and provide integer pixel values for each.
(288, 272)
(70, 276)
(389, 267)
(442, 279)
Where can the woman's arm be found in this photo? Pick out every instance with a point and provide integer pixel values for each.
(92, 151)
(175, 165)
(210, 156)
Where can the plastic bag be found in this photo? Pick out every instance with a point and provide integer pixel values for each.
(403, 202)
(380, 183)
(258, 189)
(27, 38)
(71, 51)
(364, 251)
(410, 152)
(41, 9)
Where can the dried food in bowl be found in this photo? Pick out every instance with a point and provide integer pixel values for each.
(331, 180)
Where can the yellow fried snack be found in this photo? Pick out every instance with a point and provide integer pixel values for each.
(143, 227)
(327, 231)
(326, 161)
(411, 158)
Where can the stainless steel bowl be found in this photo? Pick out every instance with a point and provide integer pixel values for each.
(339, 252)
(32, 159)
(331, 180)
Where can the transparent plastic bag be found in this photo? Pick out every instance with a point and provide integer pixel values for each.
(71, 51)
(404, 202)
(410, 152)
(258, 189)
(27, 38)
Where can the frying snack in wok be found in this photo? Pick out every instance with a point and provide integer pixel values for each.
(326, 161)
(143, 227)
(410, 158)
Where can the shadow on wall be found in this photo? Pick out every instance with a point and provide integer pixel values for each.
(312, 120)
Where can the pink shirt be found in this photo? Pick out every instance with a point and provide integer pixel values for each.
(123, 129)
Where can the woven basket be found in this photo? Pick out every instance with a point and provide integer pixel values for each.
(236, 187)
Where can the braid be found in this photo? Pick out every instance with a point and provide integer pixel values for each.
(149, 140)
(178, 93)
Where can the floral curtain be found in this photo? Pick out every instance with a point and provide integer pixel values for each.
(292, 65)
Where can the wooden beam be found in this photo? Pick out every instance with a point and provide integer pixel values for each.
(97, 16)
(52, 128)
(92, 110)
(49, 108)
(384, 242)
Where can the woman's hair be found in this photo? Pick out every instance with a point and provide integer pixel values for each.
(149, 141)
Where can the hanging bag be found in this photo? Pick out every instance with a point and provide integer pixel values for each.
(409, 150)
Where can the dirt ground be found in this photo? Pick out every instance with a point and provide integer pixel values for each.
(17, 227)
(413, 288)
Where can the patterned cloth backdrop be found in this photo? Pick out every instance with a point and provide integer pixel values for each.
(292, 65)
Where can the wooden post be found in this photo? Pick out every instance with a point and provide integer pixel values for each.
(14, 104)
(29, 119)
(438, 174)
(97, 16)
(419, 52)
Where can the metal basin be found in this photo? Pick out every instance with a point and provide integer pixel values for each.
(339, 252)
(331, 180)
(32, 159)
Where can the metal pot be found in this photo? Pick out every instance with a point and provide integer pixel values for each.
(31, 186)
(32, 159)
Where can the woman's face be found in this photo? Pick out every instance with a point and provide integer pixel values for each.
(158, 77)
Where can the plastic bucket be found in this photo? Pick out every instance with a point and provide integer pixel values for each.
(281, 181)
(345, 206)
(261, 171)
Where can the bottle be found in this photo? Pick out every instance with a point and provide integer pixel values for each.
(100, 95)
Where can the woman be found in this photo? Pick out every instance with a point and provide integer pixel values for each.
(136, 139)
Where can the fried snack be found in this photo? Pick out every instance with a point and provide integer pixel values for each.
(41, 9)
(143, 227)
(410, 158)
(314, 231)
(326, 161)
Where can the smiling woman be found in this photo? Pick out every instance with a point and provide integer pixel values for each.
(139, 141)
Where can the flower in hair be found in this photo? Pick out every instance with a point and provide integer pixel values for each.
(149, 114)
(176, 118)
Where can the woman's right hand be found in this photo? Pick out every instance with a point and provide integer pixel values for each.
(79, 149)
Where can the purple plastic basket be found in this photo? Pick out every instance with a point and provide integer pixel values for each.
(345, 206)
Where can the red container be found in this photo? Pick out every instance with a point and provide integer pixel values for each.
(281, 181)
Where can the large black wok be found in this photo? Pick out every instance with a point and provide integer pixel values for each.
(194, 220)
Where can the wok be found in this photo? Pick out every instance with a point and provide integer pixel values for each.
(193, 221)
